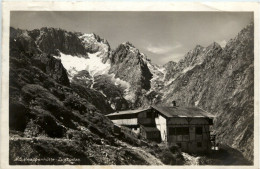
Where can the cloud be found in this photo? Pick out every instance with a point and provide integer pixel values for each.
(176, 57)
(162, 59)
(162, 49)
(158, 50)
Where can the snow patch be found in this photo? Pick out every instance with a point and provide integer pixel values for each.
(170, 81)
(126, 85)
(74, 64)
(94, 66)
(118, 81)
(187, 69)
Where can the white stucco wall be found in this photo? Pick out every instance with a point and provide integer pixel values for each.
(161, 125)
(125, 121)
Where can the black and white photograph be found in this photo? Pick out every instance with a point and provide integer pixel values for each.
(154, 88)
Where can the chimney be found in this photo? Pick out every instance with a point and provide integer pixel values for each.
(174, 103)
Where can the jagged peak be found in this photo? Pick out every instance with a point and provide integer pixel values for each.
(170, 63)
(244, 34)
(128, 44)
(129, 48)
(214, 45)
(198, 47)
(93, 37)
(97, 37)
(51, 29)
(192, 53)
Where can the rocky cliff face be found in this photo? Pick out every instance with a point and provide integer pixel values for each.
(220, 81)
(51, 40)
(127, 63)
(93, 43)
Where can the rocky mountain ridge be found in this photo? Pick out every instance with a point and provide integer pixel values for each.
(56, 121)
(219, 80)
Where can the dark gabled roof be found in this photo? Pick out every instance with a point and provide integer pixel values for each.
(182, 111)
(165, 111)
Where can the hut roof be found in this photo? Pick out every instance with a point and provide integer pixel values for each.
(166, 112)
(127, 112)
(182, 111)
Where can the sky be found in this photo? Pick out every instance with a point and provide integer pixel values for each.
(162, 36)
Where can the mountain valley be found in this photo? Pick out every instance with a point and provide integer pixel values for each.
(62, 84)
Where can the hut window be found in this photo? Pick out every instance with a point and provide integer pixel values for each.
(179, 131)
(199, 144)
(171, 131)
(199, 130)
(179, 145)
(182, 131)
